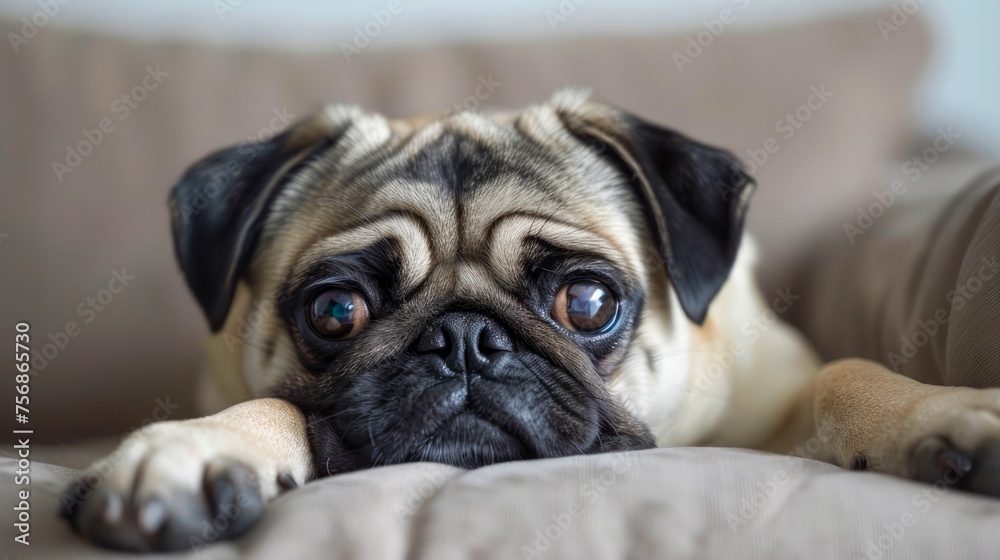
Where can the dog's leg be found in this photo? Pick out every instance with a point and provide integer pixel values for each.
(867, 417)
(181, 484)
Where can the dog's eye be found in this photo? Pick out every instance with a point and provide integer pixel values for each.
(585, 307)
(337, 313)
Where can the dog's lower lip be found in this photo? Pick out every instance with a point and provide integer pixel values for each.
(468, 440)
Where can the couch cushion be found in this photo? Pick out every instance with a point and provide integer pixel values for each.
(911, 279)
(664, 503)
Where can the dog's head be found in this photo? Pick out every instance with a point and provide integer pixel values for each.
(468, 289)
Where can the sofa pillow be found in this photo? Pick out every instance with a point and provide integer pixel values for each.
(912, 278)
(659, 503)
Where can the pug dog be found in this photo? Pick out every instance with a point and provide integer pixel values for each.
(477, 288)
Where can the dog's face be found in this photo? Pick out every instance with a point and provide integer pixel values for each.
(468, 289)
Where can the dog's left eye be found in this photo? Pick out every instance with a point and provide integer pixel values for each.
(337, 313)
(586, 307)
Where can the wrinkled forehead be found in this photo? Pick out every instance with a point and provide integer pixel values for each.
(469, 191)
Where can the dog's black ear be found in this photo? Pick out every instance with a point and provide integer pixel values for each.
(695, 197)
(221, 203)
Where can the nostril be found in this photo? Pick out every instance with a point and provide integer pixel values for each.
(484, 345)
(492, 340)
(444, 352)
(434, 341)
(467, 343)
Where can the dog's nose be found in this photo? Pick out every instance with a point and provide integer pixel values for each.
(468, 342)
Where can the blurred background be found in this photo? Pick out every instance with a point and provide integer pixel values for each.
(105, 102)
(961, 85)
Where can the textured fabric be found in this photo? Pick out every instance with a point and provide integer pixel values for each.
(66, 234)
(665, 503)
(137, 359)
(919, 288)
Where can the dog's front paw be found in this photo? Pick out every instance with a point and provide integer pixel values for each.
(173, 486)
(957, 440)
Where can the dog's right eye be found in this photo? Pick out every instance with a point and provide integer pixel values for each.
(337, 313)
(586, 307)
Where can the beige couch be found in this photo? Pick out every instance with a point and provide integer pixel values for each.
(71, 232)
(665, 503)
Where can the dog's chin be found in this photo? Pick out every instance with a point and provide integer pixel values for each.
(462, 437)
(409, 411)
(468, 441)
(464, 440)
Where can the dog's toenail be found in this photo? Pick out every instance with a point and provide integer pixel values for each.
(287, 482)
(152, 516)
(71, 499)
(954, 461)
(111, 511)
(858, 463)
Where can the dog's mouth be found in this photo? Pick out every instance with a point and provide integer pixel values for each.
(467, 425)
(469, 441)
(467, 394)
